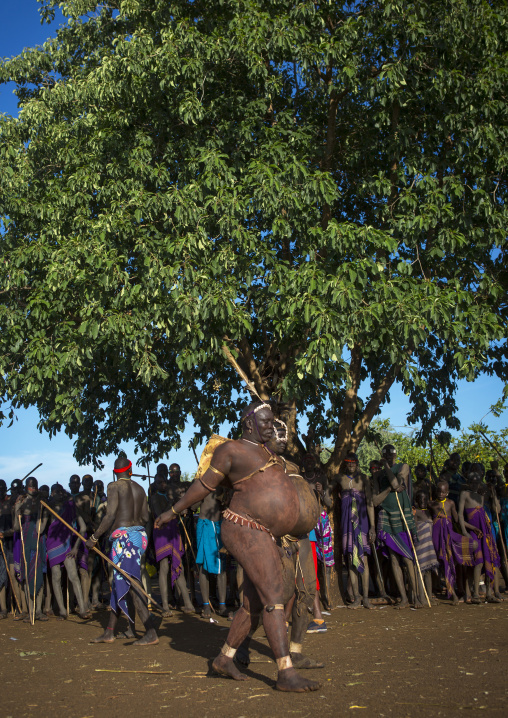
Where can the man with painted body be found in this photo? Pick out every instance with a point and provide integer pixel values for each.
(6, 538)
(126, 516)
(357, 526)
(395, 479)
(83, 503)
(17, 492)
(62, 546)
(264, 507)
(31, 520)
(297, 564)
(169, 550)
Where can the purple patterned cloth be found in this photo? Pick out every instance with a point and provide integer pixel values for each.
(451, 549)
(487, 553)
(168, 544)
(355, 526)
(59, 542)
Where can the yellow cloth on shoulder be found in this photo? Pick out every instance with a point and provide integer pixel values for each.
(206, 457)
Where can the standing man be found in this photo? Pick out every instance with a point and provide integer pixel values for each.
(126, 515)
(208, 556)
(391, 530)
(265, 506)
(5, 525)
(357, 526)
(30, 520)
(168, 550)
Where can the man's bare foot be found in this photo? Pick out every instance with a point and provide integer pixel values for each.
(455, 601)
(493, 599)
(85, 615)
(357, 603)
(289, 680)
(99, 606)
(49, 612)
(225, 667)
(106, 637)
(401, 605)
(167, 612)
(3, 614)
(300, 661)
(187, 611)
(128, 633)
(62, 617)
(206, 612)
(149, 639)
(41, 616)
(476, 600)
(367, 604)
(21, 616)
(419, 604)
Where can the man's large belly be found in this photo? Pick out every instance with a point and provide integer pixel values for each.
(308, 514)
(271, 498)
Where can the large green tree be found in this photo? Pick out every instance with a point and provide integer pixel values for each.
(314, 191)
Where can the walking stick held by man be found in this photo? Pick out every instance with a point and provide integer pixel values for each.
(410, 537)
(132, 580)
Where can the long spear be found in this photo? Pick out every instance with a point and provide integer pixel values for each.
(31, 472)
(10, 577)
(493, 446)
(132, 580)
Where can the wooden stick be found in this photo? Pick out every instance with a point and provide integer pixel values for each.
(117, 670)
(132, 580)
(414, 550)
(27, 591)
(494, 447)
(499, 525)
(189, 541)
(37, 554)
(31, 472)
(10, 577)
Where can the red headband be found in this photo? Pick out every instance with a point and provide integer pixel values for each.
(351, 461)
(124, 469)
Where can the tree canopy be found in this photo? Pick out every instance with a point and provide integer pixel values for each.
(315, 191)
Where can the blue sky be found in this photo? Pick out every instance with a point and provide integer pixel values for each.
(23, 447)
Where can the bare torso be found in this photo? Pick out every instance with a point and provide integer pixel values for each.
(127, 502)
(269, 495)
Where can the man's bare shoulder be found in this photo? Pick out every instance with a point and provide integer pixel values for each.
(227, 450)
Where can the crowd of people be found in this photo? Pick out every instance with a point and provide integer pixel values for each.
(401, 538)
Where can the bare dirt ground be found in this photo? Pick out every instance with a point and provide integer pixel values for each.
(440, 662)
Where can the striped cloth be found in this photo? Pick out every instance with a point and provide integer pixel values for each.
(425, 551)
(487, 553)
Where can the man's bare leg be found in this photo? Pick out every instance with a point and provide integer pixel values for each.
(183, 593)
(3, 602)
(306, 590)
(262, 589)
(399, 580)
(163, 587)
